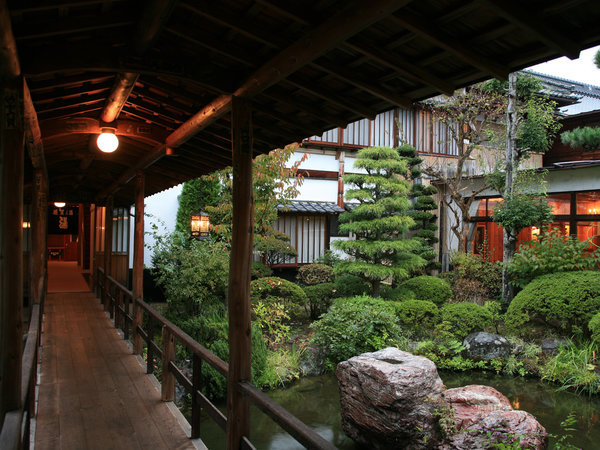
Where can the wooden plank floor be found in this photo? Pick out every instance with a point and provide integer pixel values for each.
(93, 392)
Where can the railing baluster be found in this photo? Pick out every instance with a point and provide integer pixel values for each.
(196, 386)
(150, 347)
(168, 356)
(125, 320)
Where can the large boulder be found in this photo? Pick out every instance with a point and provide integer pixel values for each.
(486, 346)
(388, 399)
(484, 418)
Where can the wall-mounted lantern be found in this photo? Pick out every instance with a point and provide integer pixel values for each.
(200, 225)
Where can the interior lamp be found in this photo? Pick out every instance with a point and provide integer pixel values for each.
(108, 141)
(59, 204)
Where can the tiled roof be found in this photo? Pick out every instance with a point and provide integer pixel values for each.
(311, 207)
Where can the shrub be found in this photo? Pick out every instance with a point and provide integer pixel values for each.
(476, 267)
(347, 285)
(353, 326)
(398, 294)
(271, 320)
(468, 290)
(270, 290)
(312, 274)
(417, 315)
(465, 318)
(550, 254)
(594, 327)
(260, 270)
(564, 302)
(429, 288)
(319, 298)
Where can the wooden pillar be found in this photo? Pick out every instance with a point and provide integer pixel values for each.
(12, 144)
(238, 411)
(341, 155)
(92, 245)
(39, 230)
(138, 260)
(108, 226)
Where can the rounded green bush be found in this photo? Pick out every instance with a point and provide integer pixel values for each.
(418, 315)
(260, 270)
(398, 294)
(319, 298)
(353, 326)
(429, 288)
(312, 274)
(347, 285)
(465, 318)
(277, 290)
(594, 327)
(564, 302)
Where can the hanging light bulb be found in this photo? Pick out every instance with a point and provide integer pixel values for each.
(59, 204)
(108, 141)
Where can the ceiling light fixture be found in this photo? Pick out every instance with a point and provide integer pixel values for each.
(59, 204)
(108, 141)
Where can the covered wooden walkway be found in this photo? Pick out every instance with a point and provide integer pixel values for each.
(93, 392)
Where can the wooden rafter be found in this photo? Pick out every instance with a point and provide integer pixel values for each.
(70, 26)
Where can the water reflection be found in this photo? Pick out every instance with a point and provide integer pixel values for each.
(315, 401)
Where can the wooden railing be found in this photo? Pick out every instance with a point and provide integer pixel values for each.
(15, 429)
(120, 302)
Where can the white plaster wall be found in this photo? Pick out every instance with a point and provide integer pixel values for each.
(315, 161)
(160, 209)
(318, 190)
(581, 179)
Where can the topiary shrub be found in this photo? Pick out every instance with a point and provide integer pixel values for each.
(465, 318)
(475, 267)
(260, 270)
(429, 288)
(564, 302)
(398, 294)
(594, 327)
(468, 290)
(319, 298)
(347, 285)
(417, 315)
(277, 290)
(353, 326)
(312, 274)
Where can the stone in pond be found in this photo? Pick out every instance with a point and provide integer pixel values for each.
(388, 399)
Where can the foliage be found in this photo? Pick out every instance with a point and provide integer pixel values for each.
(466, 318)
(574, 368)
(419, 316)
(587, 138)
(347, 285)
(282, 367)
(271, 318)
(379, 219)
(312, 274)
(273, 184)
(319, 298)
(328, 258)
(467, 290)
(397, 294)
(353, 326)
(422, 206)
(274, 246)
(564, 301)
(272, 290)
(477, 267)
(193, 274)
(260, 270)
(551, 253)
(196, 195)
(426, 287)
(594, 327)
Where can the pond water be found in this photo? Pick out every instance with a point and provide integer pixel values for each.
(315, 401)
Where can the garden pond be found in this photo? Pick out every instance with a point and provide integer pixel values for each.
(315, 401)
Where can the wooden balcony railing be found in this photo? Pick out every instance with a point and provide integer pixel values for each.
(120, 303)
(15, 429)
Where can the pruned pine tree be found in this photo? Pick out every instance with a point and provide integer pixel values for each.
(423, 204)
(380, 221)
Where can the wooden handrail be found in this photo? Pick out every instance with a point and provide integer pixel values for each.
(291, 424)
(15, 429)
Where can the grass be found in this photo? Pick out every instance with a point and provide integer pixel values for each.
(575, 367)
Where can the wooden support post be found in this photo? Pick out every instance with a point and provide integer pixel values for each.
(12, 144)
(108, 225)
(93, 267)
(167, 387)
(196, 386)
(38, 273)
(238, 410)
(138, 261)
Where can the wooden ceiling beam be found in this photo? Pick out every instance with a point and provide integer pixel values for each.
(351, 78)
(307, 108)
(69, 82)
(285, 9)
(70, 93)
(83, 100)
(40, 6)
(69, 114)
(401, 65)
(149, 118)
(61, 27)
(124, 84)
(452, 45)
(528, 20)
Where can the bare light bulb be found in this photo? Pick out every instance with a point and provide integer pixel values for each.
(107, 141)
(59, 204)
